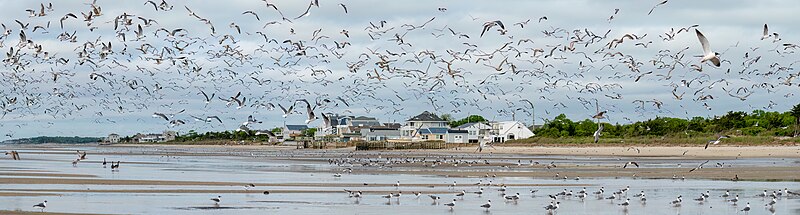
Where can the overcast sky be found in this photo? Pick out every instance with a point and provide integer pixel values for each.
(136, 86)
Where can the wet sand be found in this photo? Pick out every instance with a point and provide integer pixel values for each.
(8, 212)
(654, 151)
(169, 172)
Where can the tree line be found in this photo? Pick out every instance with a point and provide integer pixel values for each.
(755, 123)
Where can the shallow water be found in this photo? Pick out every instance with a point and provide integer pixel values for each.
(324, 193)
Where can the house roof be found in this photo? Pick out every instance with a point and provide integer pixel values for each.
(296, 127)
(392, 125)
(467, 125)
(426, 117)
(432, 131)
(364, 118)
(457, 131)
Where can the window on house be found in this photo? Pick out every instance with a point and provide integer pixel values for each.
(441, 137)
(424, 137)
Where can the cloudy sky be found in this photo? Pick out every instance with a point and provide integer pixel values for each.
(401, 58)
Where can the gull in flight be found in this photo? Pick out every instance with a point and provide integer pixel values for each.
(765, 34)
(708, 55)
(715, 142)
(490, 24)
(597, 134)
(600, 115)
(309, 111)
(250, 120)
(286, 112)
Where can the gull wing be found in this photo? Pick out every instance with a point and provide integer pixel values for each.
(704, 42)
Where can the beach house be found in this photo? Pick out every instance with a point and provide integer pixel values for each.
(476, 131)
(425, 126)
(508, 130)
(292, 131)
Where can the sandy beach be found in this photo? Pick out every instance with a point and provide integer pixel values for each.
(197, 172)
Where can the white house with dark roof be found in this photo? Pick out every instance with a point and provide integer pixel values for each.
(509, 130)
(425, 126)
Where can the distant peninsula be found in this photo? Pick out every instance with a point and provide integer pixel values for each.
(46, 139)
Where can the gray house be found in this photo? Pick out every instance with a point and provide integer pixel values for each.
(291, 131)
(457, 136)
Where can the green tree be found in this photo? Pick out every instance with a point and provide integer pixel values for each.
(309, 132)
(447, 117)
(469, 119)
(795, 112)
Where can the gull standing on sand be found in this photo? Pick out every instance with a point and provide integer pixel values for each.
(772, 203)
(451, 204)
(677, 202)
(434, 198)
(735, 199)
(746, 208)
(552, 207)
(626, 203)
(41, 205)
(487, 205)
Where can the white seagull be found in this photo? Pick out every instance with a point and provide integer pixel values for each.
(715, 142)
(708, 55)
(451, 204)
(765, 34)
(598, 133)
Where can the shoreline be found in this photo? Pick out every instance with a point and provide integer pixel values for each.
(677, 151)
(593, 150)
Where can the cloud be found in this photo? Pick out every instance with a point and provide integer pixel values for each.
(165, 74)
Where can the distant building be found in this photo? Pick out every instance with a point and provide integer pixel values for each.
(393, 125)
(155, 138)
(292, 131)
(380, 134)
(348, 128)
(363, 121)
(509, 130)
(423, 122)
(475, 131)
(427, 134)
(112, 138)
(457, 136)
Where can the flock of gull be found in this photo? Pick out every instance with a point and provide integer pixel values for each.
(201, 69)
(483, 188)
